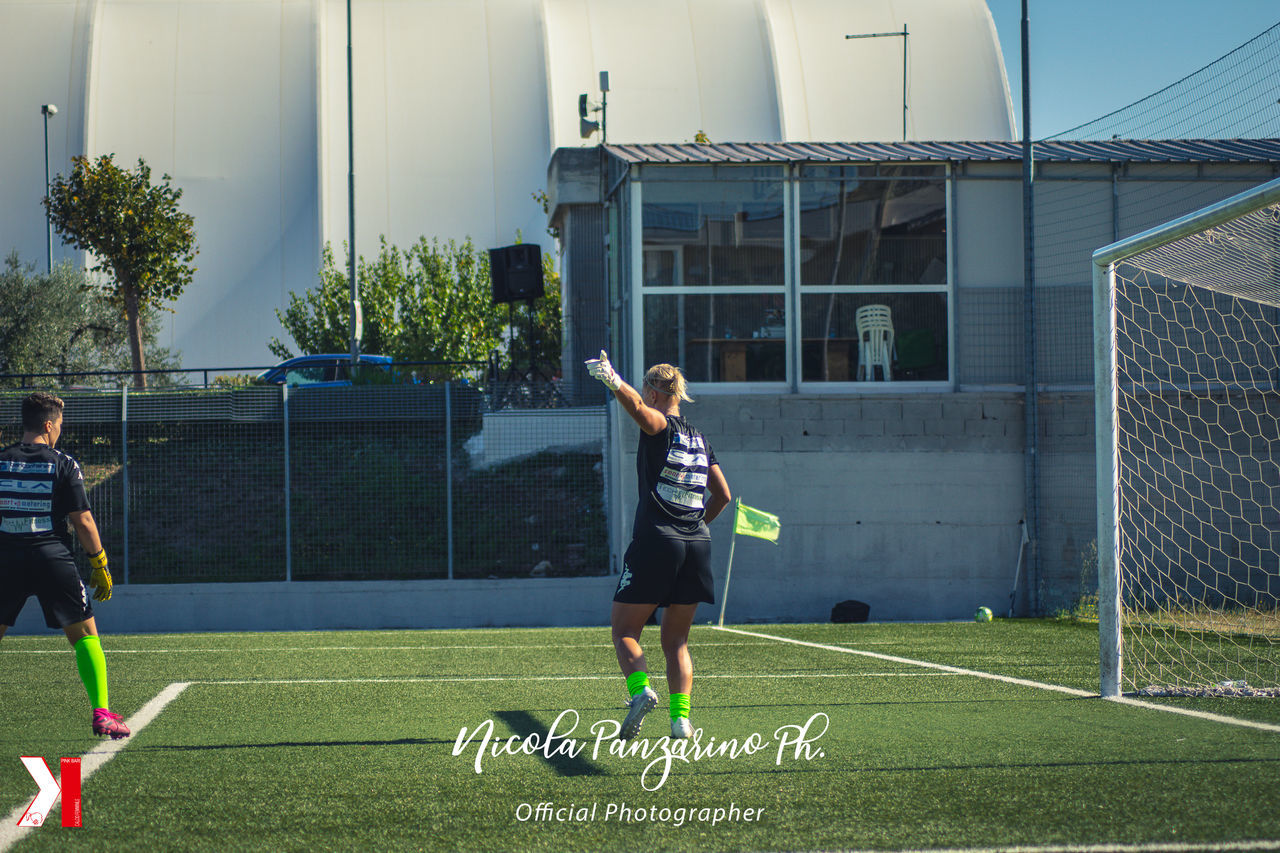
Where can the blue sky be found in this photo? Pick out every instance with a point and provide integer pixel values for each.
(1089, 57)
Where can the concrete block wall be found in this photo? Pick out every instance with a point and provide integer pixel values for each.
(1068, 498)
(1218, 542)
(911, 503)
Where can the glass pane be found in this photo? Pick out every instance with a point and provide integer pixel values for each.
(306, 375)
(718, 338)
(858, 231)
(702, 232)
(913, 328)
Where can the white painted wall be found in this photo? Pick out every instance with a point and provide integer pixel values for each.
(522, 432)
(43, 54)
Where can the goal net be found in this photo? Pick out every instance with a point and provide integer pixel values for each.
(1187, 334)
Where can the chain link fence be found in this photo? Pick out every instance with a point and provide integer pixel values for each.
(340, 483)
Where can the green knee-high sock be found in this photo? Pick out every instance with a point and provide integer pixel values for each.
(93, 670)
(679, 706)
(637, 682)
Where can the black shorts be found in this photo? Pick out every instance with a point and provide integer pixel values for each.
(49, 573)
(665, 570)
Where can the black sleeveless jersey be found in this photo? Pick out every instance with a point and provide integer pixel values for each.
(38, 487)
(671, 470)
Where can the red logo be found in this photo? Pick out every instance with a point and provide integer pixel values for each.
(68, 787)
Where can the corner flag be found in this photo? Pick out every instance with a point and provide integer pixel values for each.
(748, 522)
(755, 522)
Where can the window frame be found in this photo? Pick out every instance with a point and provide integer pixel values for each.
(793, 291)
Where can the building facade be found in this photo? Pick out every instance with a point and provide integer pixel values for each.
(901, 475)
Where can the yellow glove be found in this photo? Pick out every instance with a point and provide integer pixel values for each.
(100, 578)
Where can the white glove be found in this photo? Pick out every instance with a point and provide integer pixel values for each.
(601, 369)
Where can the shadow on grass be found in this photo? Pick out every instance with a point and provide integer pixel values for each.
(404, 741)
(524, 724)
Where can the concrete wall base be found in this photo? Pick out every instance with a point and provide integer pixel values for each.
(331, 605)
(758, 594)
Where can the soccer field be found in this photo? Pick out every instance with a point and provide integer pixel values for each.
(349, 741)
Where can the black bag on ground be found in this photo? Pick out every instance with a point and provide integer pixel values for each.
(850, 611)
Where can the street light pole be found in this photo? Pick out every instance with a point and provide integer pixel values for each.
(356, 321)
(47, 110)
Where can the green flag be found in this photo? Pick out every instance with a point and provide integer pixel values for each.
(755, 522)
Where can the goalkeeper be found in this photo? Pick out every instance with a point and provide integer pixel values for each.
(668, 563)
(41, 491)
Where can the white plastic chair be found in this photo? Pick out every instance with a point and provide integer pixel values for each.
(875, 341)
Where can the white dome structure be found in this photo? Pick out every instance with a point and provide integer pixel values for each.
(458, 107)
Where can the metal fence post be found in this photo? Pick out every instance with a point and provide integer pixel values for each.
(448, 468)
(124, 473)
(288, 543)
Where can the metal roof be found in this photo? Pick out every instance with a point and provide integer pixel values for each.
(1052, 151)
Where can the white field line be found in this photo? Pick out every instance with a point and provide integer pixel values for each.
(1149, 847)
(92, 761)
(1022, 682)
(190, 649)
(1202, 715)
(474, 679)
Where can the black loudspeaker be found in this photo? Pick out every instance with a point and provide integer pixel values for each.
(516, 272)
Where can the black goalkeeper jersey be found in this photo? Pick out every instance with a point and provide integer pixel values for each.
(38, 487)
(671, 469)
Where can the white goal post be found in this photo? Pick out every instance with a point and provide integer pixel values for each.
(1187, 399)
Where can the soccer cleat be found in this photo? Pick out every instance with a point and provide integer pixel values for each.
(641, 704)
(107, 723)
(680, 728)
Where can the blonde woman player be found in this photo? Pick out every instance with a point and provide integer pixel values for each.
(668, 563)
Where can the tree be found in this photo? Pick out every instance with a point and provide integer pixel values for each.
(135, 230)
(317, 320)
(61, 322)
(432, 302)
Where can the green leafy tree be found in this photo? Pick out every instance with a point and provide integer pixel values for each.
(447, 309)
(432, 302)
(134, 229)
(318, 319)
(61, 322)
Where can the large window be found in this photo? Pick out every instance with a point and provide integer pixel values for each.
(873, 244)
(772, 274)
(714, 226)
(715, 272)
(720, 337)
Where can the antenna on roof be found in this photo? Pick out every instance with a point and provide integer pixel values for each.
(586, 126)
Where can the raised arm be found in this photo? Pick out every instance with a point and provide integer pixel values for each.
(649, 419)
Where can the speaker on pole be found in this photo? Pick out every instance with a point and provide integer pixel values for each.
(516, 273)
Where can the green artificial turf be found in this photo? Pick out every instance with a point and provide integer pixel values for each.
(346, 741)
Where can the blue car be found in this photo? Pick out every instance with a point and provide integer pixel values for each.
(320, 371)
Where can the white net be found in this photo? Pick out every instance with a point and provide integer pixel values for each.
(1198, 420)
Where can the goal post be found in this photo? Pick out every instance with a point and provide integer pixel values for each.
(1187, 403)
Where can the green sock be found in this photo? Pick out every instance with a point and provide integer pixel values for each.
(93, 670)
(637, 682)
(679, 706)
